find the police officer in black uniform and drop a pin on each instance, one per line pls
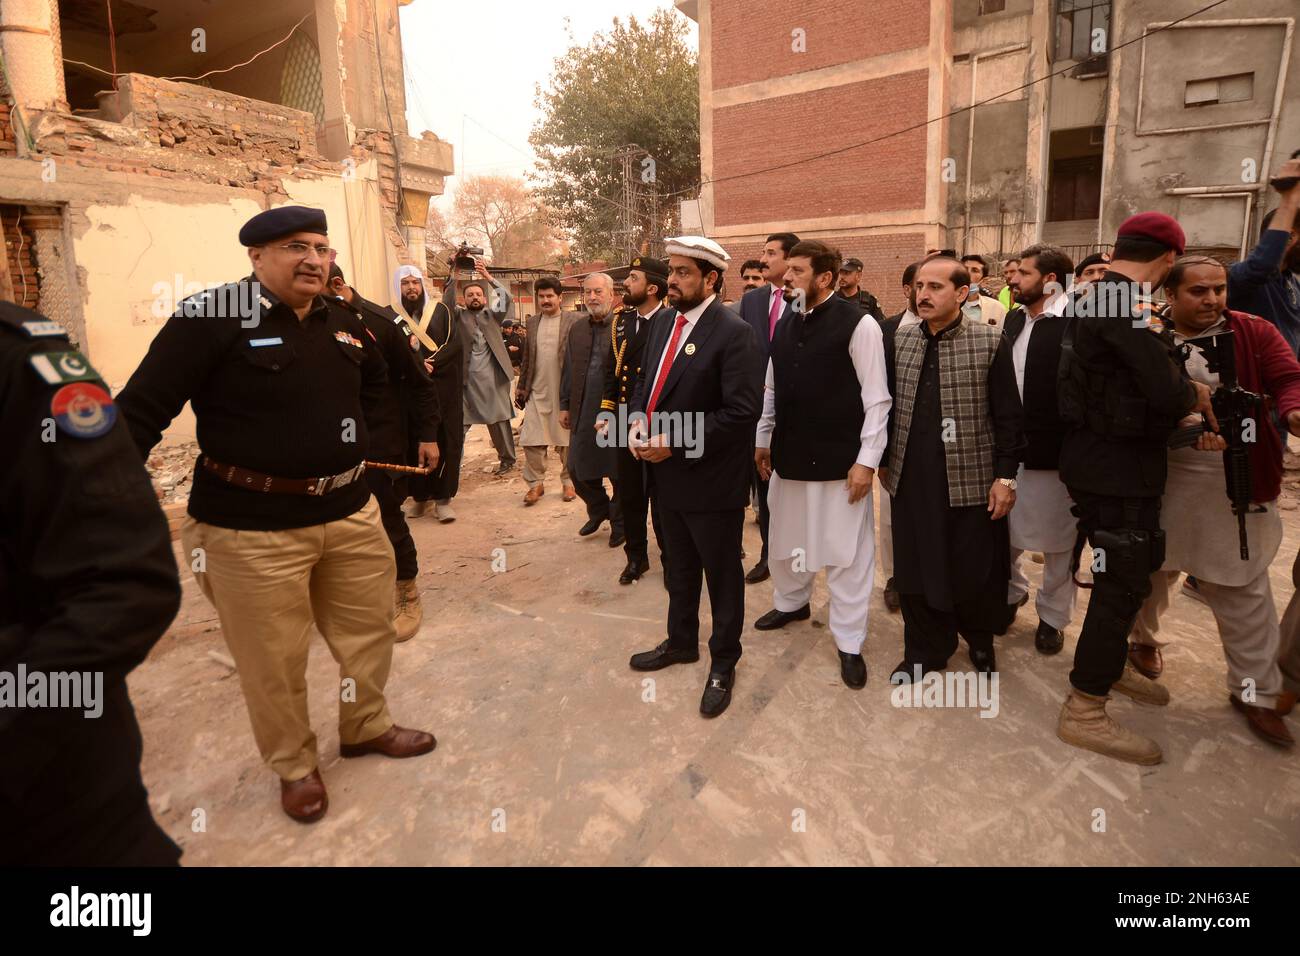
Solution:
(850, 288)
(287, 386)
(411, 416)
(645, 286)
(87, 586)
(1121, 392)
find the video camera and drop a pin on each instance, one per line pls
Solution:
(1285, 183)
(464, 256)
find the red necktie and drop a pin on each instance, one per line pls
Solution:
(668, 363)
(774, 314)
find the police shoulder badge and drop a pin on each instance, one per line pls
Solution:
(83, 410)
(58, 367)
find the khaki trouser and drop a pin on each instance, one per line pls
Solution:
(535, 464)
(268, 587)
(1248, 630)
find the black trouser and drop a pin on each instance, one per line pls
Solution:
(599, 504)
(764, 515)
(389, 491)
(1127, 546)
(634, 501)
(930, 635)
(705, 544)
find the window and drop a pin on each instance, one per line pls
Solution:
(1238, 88)
(992, 6)
(1082, 29)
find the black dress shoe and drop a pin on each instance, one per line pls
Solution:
(633, 571)
(717, 693)
(1012, 611)
(853, 670)
(891, 597)
(1048, 640)
(591, 527)
(616, 538)
(661, 657)
(984, 660)
(774, 618)
(905, 672)
(758, 572)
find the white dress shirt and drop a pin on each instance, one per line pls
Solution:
(692, 317)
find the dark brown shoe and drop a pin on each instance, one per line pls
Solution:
(1146, 660)
(534, 494)
(1264, 723)
(305, 800)
(393, 742)
(1285, 703)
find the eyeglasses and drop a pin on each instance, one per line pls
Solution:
(301, 250)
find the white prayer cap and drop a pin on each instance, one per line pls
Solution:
(698, 247)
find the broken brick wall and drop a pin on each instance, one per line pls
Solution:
(20, 256)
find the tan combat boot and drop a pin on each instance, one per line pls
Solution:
(1085, 723)
(1133, 683)
(410, 612)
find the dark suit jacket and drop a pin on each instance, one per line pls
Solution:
(716, 383)
(577, 356)
(754, 306)
(1044, 429)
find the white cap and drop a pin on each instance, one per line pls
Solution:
(698, 247)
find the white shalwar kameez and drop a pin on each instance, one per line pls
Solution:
(813, 526)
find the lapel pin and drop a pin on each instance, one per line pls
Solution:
(690, 348)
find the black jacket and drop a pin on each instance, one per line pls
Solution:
(411, 402)
(754, 306)
(87, 584)
(865, 303)
(715, 392)
(1044, 429)
(288, 398)
(1121, 392)
(621, 380)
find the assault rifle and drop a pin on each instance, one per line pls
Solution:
(1234, 406)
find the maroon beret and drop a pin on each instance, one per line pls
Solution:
(1156, 227)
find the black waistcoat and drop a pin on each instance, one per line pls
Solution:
(818, 396)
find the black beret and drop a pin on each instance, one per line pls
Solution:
(653, 268)
(282, 221)
(851, 265)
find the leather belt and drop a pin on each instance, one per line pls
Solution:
(256, 481)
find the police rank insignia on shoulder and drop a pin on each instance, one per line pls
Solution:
(38, 330)
(58, 367)
(83, 410)
(347, 338)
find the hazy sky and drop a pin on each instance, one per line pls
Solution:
(472, 67)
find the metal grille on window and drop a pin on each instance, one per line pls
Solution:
(300, 86)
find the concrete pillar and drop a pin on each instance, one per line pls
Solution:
(30, 45)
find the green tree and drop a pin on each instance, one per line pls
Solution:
(635, 85)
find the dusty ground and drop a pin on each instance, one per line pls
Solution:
(549, 751)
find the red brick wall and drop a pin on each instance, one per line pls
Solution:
(887, 175)
(20, 262)
(7, 145)
(752, 41)
(884, 257)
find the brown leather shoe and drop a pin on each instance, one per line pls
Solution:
(534, 494)
(1264, 723)
(1146, 660)
(305, 800)
(569, 493)
(1285, 703)
(393, 742)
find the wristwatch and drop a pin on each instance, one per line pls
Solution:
(1009, 482)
